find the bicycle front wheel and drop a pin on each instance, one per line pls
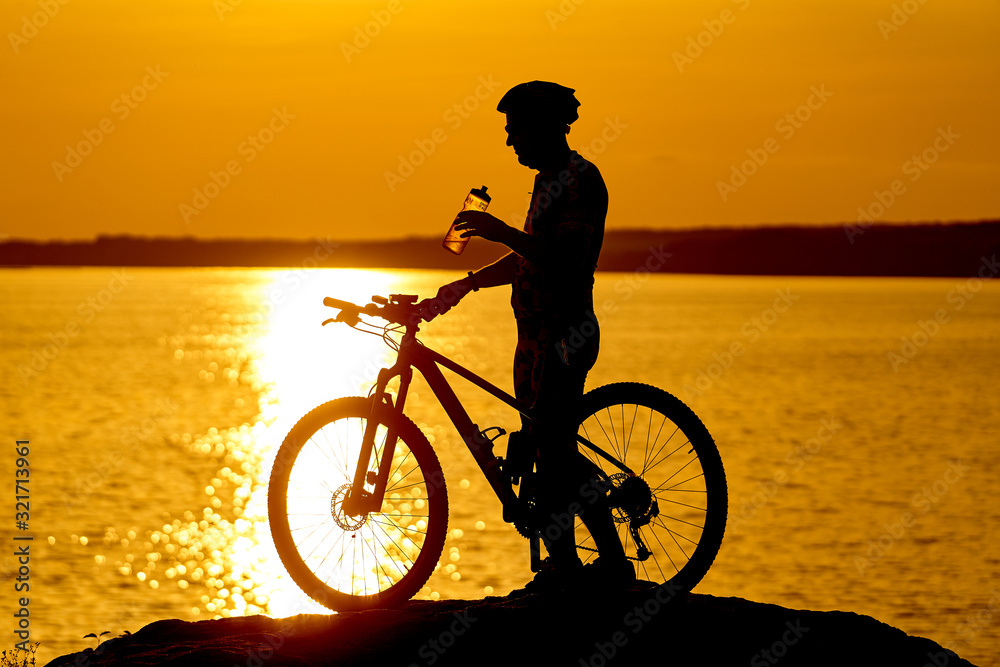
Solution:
(677, 503)
(345, 562)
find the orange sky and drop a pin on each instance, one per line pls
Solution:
(183, 86)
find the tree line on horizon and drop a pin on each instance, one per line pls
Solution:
(851, 249)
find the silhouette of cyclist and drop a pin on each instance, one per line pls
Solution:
(551, 270)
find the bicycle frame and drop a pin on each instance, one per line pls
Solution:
(412, 354)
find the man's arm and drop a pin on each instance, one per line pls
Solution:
(500, 272)
(524, 244)
(491, 228)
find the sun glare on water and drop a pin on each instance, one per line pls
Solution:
(304, 366)
(220, 557)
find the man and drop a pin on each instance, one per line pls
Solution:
(551, 270)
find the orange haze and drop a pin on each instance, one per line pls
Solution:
(268, 118)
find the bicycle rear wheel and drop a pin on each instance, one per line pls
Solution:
(378, 559)
(678, 509)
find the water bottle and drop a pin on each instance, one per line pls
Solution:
(477, 200)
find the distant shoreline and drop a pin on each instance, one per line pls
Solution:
(850, 249)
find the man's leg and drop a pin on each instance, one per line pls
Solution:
(561, 478)
(564, 376)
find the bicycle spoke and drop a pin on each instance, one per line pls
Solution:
(317, 527)
(400, 480)
(631, 428)
(614, 446)
(666, 553)
(667, 500)
(354, 563)
(645, 452)
(319, 543)
(305, 527)
(674, 487)
(681, 468)
(407, 529)
(345, 451)
(673, 518)
(396, 544)
(658, 437)
(335, 461)
(651, 465)
(379, 561)
(330, 552)
(681, 535)
(673, 536)
(611, 442)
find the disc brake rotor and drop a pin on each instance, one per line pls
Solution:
(347, 523)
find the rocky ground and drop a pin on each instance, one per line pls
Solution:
(644, 624)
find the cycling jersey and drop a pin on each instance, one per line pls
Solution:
(567, 215)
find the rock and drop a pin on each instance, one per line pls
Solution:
(644, 624)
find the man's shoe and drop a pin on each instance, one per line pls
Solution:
(551, 579)
(608, 573)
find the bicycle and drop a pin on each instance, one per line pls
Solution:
(357, 502)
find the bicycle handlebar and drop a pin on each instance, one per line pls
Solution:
(337, 303)
(398, 308)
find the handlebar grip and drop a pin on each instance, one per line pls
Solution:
(337, 303)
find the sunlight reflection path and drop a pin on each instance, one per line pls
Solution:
(221, 555)
(306, 365)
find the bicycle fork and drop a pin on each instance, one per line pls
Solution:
(359, 500)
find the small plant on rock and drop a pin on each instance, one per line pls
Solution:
(19, 657)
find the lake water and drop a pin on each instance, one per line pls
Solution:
(857, 420)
